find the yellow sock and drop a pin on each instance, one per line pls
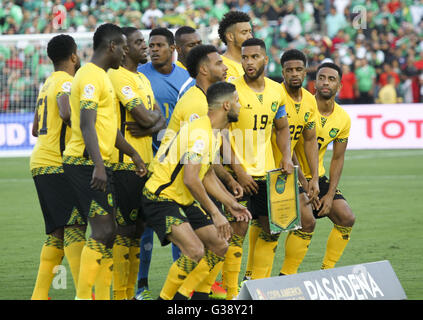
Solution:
(205, 286)
(232, 266)
(337, 241)
(134, 260)
(199, 273)
(252, 239)
(176, 275)
(264, 254)
(51, 256)
(103, 281)
(91, 256)
(121, 266)
(296, 247)
(73, 245)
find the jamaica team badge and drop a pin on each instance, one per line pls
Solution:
(283, 201)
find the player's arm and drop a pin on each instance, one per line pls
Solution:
(88, 118)
(137, 130)
(35, 124)
(64, 108)
(311, 150)
(198, 191)
(217, 190)
(335, 171)
(228, 180)
(283, 141)
(145, 118)
(127, 149)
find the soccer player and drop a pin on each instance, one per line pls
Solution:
(263, 104)
(186, 38)
(64, 226)
(169, 82)
(86, 159)
(176, 201)
(135, 103)
(333, 125)
(301, 108)
(234, 29)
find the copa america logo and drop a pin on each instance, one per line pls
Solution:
(59, 16)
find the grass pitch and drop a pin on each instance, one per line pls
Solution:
(383, 188)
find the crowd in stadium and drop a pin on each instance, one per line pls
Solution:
(379, 43)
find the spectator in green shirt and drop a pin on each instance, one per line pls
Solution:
(366, 76)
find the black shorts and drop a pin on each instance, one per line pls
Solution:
(58, 201)
(91, 202)
(160, 215)
(257, 203)
(324, 188)
(128, 187)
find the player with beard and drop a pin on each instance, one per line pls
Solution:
(262, 105)
(87, 156)
(64, 227)
(175, 197)
(333, 125)
(234, 29)
(186, 38)
(135, 104)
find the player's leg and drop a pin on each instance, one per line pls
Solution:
(146, 250)
(215, 251)
(74, 242)
(298, 241)
(253, 234)
(343, 220)
(134, 256)
(50, 257)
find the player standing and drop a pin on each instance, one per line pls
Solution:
(65, 228)
(186, 38)
(333, 125)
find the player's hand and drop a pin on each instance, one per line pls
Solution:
(134, 129)
(139, 164)
(287, 166)
(248, 184)
(99, 178)
(224, 229)
(313, 191)
(236, 189)
(325, 205)
(240, 212)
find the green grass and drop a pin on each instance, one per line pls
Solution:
(383, 188)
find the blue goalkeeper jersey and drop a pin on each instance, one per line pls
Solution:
(167, 89)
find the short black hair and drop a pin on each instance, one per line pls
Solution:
(183, 30)
(163, 32)
(105, 33)
(127, 31)
(229, 19)
(197, 55)
(254, 42)
(293, 54)
(60, 48)
(217, 90)
(331, 65)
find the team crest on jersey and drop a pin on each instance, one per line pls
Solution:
(333, 132)
(193, 117)
(89, 91)
(66, 86)
(231, 78)
(280, 183)
(306, 116)
(127, 92)
(274, 106)
(198, 146)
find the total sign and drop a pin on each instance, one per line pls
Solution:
(388, 126)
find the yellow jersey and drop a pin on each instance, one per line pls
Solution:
(335, 127)
(92, 89)
(301, 115)
(196, 141)
(235, 69)
(251, 135)
(53, 133)
(179, 64)
(131, 90)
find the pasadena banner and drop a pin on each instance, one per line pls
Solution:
(368, 281)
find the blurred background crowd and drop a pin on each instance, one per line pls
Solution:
(378, 43)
